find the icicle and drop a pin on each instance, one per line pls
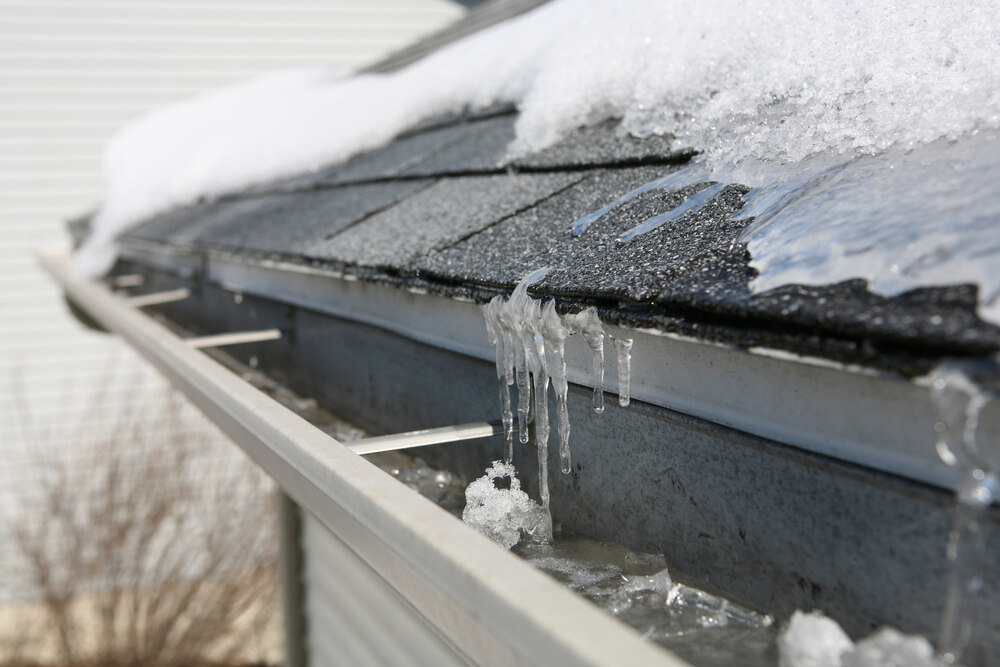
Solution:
(623, 346)
(499, 338)
(588, 324)
(541, 376)
(960, 402)
(554, 333)
(505, 324)
(557, 366)
(523, 391)
(515, 314)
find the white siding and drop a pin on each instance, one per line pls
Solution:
(355, 617)
(71, 72)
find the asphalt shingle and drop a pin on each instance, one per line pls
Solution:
(437, 217)
(604, 145)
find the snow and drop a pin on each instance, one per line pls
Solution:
(504, 515)
(751, 80)
(890, 648)
(813, 640)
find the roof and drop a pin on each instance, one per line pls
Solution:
(440, 209)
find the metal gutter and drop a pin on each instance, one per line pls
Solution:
(870, 418)
(492, 606)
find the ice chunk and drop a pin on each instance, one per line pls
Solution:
(578, 575)
(890, 648)
(812, 640)
(660, 582)
(638, 559)
(504, 515)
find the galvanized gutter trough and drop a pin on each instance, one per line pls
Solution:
(487, 604)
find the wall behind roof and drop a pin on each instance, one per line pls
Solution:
(71, 72)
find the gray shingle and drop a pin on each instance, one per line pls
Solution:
(437, 217)
(604, 144)
(292, 224)
(595, 264)
(482, 147)
(284, 224)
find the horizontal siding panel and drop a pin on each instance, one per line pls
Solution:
(83, 199)
(232, 26)
(430, 14)
(124, 77)
(336, 41)
(104, 58)
(356, 617)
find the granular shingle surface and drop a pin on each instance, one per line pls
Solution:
(437, 217)
(603, 144)
(481, 147)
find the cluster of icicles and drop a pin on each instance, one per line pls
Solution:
(530, 338)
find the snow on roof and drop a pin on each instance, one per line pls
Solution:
(755, 85)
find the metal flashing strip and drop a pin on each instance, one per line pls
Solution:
(495, 608)
(866, 417)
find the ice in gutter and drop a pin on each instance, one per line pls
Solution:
(960, 401)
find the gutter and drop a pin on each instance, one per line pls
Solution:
(489, 604)
(872, 418)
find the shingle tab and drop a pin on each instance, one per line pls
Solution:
(281, 224)
(482, 147)
(292, 224)
(604, 145)
(437, 217)
(384, 163)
